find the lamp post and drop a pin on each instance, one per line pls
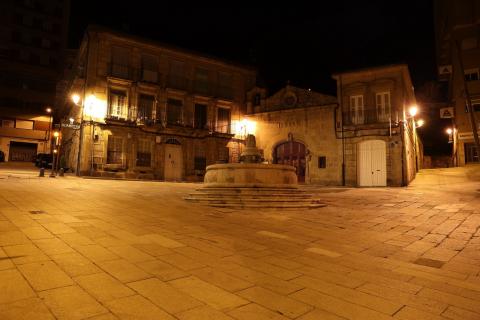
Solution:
(47, 136)
(56, 135)
(413, 110)
(76, 99)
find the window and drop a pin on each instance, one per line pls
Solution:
(114, 150)
(471, 75)
(8, 123)
(174, 111)
(256, 99)
(200, 163)
(176, 76)
(223, 120)
(476, 104)
(201, 81)
(149, 68)
(225, 85)
(24, 124)
(145, 107)
(200, 121)
(144, 153)
(356, 109)
(117, 104)
(119, 67)
(322, 162)
(383, 106)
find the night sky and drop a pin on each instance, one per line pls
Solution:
(297, 41)
(303, 42)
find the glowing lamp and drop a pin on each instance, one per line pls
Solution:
(48, 110)
(449, 131)
(95, 108)
(413, 111)
(75, 98)
(420, 123)
(56, 134)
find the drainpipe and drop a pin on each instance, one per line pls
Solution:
(83, 106)
(343, 132)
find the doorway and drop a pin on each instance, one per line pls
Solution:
(292, 153)
(372, 164)
(22, 151)
(173, 162)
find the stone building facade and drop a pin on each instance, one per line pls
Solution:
(457, 26)
(362, 137)
(148, 110)
(380, 145)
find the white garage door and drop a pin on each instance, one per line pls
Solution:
(372, 164)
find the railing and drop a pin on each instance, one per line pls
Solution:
(177, 82)
(150, 76)
(365, 116)
(120, 71)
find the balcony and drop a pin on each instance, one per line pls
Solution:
(120, 71)
(177, 82)
(149, 76)
(368, 116)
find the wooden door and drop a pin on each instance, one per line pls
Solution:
(173, 162)
(292, 153)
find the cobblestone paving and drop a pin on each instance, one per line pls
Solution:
(96, 249)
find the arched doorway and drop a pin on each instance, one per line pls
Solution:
(292, 153)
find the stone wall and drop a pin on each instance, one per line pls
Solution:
(312, 126)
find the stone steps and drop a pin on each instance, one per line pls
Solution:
(255, 198)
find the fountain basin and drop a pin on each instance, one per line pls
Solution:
(250, 175)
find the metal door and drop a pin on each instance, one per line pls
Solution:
(372, 164)
(22, 151)
(173, 162)
(292, 153)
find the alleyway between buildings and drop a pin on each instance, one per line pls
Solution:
(73, 248)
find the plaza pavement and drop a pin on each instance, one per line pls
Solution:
(73, 248)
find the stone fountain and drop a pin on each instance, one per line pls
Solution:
(250, 172)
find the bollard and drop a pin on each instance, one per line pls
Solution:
(60, 172)
(42, 172)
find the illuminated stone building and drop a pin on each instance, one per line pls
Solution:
(363, 137)
(149, 110)
(156, 112)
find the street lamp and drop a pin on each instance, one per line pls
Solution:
(413, 110)
(420, 122)
(56, 136)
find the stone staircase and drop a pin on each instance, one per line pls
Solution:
(252, 198)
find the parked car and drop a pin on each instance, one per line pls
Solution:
(44, 160)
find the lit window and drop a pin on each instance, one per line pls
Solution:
(117, 104)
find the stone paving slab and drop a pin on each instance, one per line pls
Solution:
(102, 249)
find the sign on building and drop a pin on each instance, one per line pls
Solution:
(446, 113)
(445, 70)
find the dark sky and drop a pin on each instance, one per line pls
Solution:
(303, 42)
